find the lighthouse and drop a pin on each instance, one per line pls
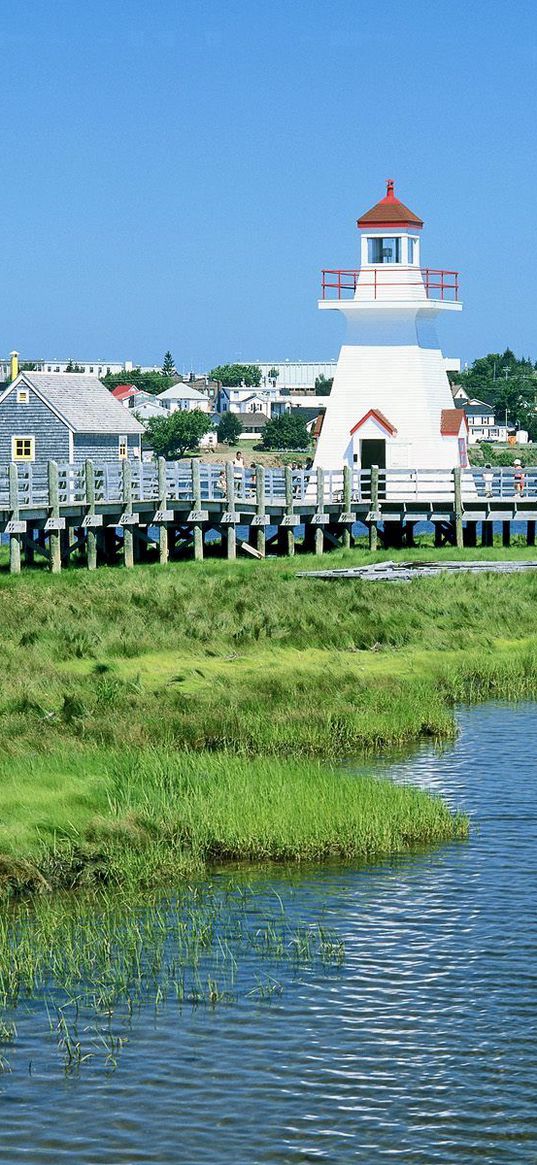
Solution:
(391, 403)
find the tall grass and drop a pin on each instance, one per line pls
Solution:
(245, 660)
(132, 818)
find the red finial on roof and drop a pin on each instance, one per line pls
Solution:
(390, 190)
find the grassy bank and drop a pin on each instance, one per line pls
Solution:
(108, 679)
(137, 818)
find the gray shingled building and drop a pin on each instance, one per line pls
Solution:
(65, 417)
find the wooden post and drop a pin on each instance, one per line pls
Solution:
(128, 537)
(231, 533)
(54, 511)
(373, 525)
(289, 530)
(196, 505)
(14, 539)
(506, 533)
(163, 552)
(457, 506)
(319, 530)
(347, 497)
(91, 533)
(531, 533)
(487, 533)
(260, 506)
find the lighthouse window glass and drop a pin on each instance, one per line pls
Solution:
(384, 250)
(411, 250)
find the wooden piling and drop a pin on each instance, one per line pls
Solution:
(347, 498)
(373, 524)
(91, 532)
(261, 536)
(289, 530)
(15, 538)
(163, 551)
(231, 533)
(530, 533)
(196, 505)
(128, 537)
(319, 529)
(457, 507)
(54, 512)
(506, 533)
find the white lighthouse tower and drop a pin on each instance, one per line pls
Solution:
(391, 404)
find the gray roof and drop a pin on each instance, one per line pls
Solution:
(82, 401)
(182, 391)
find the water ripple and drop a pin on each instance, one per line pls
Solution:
(420, 1049)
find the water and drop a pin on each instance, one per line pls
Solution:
(420, 1048)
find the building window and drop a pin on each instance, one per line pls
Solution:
(49, 369)
(384, 250)
(91, 368)
(122, 448)
(23, 396)
(23, 448)
(411, 251)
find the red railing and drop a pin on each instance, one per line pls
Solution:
(341, 284)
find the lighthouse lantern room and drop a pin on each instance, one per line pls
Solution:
(391, 404)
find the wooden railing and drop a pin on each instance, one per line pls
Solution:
(187, 482)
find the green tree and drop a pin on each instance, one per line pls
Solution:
(231, 375)
(286, 432)
(323, 385)
(152, 382)
(173, 436)
(508, 383)
(273, 375)
(229, 428)
(70, 367)
(168, 364)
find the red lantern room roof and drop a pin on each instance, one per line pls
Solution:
(389, 212)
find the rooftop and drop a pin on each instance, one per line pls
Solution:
(390, 212)
(81, 401)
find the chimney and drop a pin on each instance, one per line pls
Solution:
(14, 365)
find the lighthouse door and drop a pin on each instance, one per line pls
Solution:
(372, 452)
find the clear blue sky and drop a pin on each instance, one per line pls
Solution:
(177, 172)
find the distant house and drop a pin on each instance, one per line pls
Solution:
(64, 417)
(125, 394)
(183, 396)
(482, 424)
(242, 399)
(252, 426)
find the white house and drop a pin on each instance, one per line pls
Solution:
(182, 396)
(391, 403)
(482, 424)
(242, 399)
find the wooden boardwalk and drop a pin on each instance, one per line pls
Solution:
(136, 509)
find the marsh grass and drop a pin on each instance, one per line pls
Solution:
(108, 677)
(89, 964)
(134, 818)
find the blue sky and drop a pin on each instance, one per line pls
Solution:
(176, 173)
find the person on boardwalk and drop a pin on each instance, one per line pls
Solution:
(520, 478)
(238, 473)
